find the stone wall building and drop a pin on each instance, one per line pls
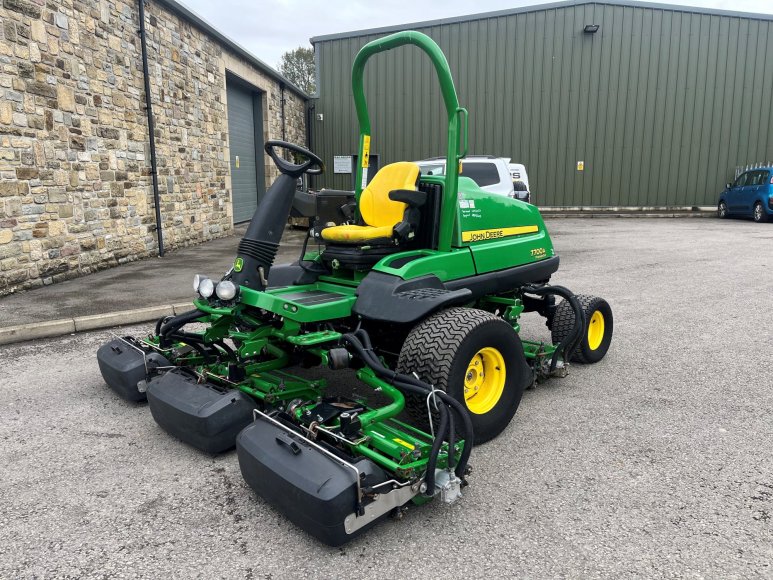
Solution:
(76, 190)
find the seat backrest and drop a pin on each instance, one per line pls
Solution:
(375, 206)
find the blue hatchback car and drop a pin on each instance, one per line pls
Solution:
(750, 195)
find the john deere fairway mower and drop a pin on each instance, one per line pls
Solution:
(417, 285)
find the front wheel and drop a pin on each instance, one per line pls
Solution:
(722, 210)
(759, 213)
(599, 325)
(474, 356)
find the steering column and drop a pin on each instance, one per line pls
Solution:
(260, 243)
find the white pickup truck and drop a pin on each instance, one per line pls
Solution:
(494, 174)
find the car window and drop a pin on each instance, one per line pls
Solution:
(481, 173)
(741, 180)
(759, 178)
(765, 178)
(432, 169)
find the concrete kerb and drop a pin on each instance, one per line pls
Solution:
(51, 328)
(22, 332)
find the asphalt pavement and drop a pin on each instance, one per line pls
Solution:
(656, 462)
(142, 283)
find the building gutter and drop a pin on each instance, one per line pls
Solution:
(151, 131)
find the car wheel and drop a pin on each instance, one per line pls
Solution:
(722, 210)
(759, 214)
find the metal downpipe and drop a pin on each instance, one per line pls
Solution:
(151, 131)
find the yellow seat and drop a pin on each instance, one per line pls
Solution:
(379, 213)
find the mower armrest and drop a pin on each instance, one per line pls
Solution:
(410, 196)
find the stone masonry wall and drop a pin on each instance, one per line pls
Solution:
(75, 184)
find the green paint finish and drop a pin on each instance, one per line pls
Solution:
(513, 308)
(388, 411)
(445, 265)
(298, 303)
(279, 386)
(532, 349)
(312, 338)
(501, 232)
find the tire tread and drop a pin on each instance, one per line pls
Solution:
(563, 322)
(430, 347)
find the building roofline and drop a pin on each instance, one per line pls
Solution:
(197, 20)
(537, 8)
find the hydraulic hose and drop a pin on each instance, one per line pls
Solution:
(189, 337)
(429, 478)
(451, 441)
(416, 383)
(196, 345)
(411, 384)
(179, 321)
(571, 340)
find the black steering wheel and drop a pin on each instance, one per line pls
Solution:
(313, 164)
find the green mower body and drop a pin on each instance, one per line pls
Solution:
(427, 320)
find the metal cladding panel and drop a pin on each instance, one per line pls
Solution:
(661, 104)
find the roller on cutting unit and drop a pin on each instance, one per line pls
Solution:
(415, 283)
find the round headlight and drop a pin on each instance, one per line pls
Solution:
(196, 281)
(226, 290)
(206, 288)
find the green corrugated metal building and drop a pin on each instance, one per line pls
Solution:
(661, 103)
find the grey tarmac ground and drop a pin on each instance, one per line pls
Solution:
(657, 462)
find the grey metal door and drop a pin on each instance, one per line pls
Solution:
(245, 130)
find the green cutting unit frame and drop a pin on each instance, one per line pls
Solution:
(430, 326)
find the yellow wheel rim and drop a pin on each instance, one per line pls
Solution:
(595, 330)
(484, 380)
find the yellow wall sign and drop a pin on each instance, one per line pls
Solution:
(493, 234)
(581, 166)
(365, 150)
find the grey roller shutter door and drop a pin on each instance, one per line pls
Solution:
(241, 141)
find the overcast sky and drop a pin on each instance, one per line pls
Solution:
(268, 28)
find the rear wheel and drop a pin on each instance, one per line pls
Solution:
(759, 213)
(722, 210)
(474, 356)
(599, 325)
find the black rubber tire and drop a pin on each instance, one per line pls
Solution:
(563, 322)
(722, 210)
(439, 351)
(758, 213)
